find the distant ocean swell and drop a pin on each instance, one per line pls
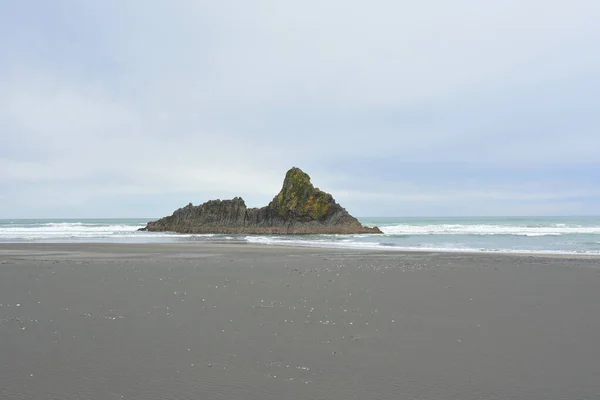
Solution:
(577, 235)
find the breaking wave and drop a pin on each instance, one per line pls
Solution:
(481, 229)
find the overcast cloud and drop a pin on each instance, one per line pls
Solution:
(134, 108)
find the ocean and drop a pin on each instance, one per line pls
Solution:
(563, 235)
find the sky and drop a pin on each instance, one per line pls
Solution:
(131, 108)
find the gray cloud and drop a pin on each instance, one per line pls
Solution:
(123, 108)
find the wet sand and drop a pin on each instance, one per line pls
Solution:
(198, 321)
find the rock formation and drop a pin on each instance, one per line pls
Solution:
(299, 208)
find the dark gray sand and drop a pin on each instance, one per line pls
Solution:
(189, 321)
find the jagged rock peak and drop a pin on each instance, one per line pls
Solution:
(298, 198)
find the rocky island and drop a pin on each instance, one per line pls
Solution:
(299, 208)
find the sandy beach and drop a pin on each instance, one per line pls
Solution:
(217, 321)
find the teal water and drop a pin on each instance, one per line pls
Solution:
(580, 235)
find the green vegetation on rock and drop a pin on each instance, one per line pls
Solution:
(300, 198)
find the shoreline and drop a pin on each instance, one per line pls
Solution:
(570, 236)
(6, 248)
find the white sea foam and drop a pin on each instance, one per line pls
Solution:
(64, 230)
(480, 229)
(278, 241)
(281, 241)
(83, 231)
